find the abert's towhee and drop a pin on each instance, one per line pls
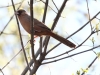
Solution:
(40, 28)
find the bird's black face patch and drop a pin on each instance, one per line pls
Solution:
(19, 12)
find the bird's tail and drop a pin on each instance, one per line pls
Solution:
(63, 40)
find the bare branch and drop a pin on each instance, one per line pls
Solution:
(55, 5)
(89, 14)
(46, 5)
(13, 57)
(20, 36)
(90, 65)
(32, 32)
(71, 55)
(10, 5)
(76, 31)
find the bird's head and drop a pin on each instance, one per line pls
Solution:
(20, 12)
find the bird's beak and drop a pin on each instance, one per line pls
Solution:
(16, 13)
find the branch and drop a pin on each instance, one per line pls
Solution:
(74, 48)
(10, 5)
(1, 72)
(10, 19)
(31, 62)
(46, 42)
(90, 65)
(71, 55)
(39, 50)
(32, 32)
(55, 5)
(76, 31)
(56, 20)
(89, 14)
(50, 7)
(37, 65)
(13, 57)
(20, 36)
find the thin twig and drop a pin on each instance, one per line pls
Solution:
(9, 5)
(90, 65)
(69, 50)
(71, 55)
(1, 71)
(55, 5)
(6, 25)
(13, 57)
(82, 42)
(10, 19)
(89, 14)
(20, 36)
(48, 6)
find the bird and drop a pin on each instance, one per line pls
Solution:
(40, 28)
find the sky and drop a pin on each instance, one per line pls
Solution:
(74, 16)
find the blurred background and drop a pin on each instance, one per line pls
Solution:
(74, 16)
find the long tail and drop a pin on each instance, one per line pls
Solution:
(63, 40)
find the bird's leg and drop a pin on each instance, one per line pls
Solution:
(35, 36)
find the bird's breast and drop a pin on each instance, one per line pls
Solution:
(25, 22)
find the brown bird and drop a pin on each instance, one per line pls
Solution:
(40, 28)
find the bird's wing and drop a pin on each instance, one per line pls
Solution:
(39, 24)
